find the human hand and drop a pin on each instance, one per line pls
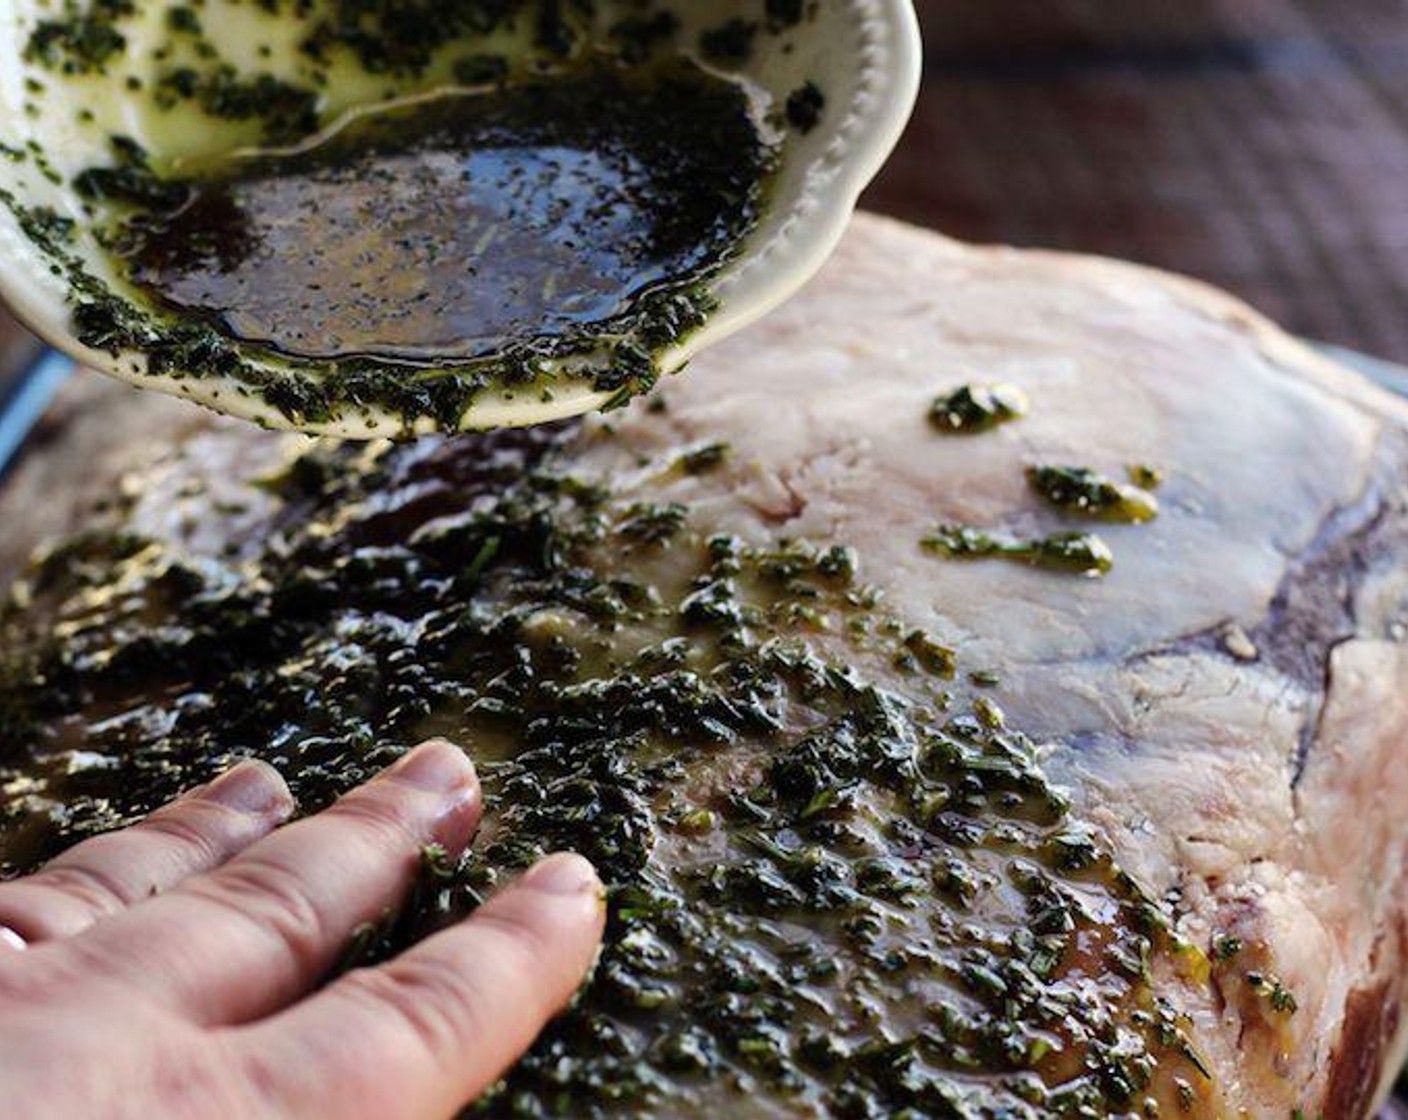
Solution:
(169, 967)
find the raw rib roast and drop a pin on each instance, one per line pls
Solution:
(905, 809)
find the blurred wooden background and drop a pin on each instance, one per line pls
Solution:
(1259, 144)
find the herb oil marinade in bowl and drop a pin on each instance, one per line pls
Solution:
(369, 220)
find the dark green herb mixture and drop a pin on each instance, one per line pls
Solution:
(558, 219)
(83, 39)
(1089, 493)
(1075, 491)
(1081, 553)
(839, 884)
(971, 409)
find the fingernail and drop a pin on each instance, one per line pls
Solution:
(436, 767)
(9, 939)
(254, 788)
(563, 873)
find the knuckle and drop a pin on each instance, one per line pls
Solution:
(258, 1069)
(99, 893)
(390, 820)
(207, 1080)
(36, 915)
(184, 828)
(263, 1074)
(439, 1004)
(42, 982)
(276, 900)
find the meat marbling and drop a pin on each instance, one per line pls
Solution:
(1226, 711)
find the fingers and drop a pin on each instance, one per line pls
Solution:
(107, 874)
(256, 934)
(433, 1029)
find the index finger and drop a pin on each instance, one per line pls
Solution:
(247, 939)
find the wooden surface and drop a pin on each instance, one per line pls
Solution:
(1258, 144)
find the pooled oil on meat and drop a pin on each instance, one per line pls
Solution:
(463, 224)
(839, 884)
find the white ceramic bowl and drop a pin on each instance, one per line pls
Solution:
(864, 54)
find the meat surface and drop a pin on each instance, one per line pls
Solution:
(885, 827)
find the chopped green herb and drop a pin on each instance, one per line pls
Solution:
(1224, 948)
(1087, 493)
(804, 107)
(1276, 994)
(1145, 476)
(929, 655)
(483, 558)
(183, 20)
(640, 36)
(989, 713)
(731, 42)
(783, 14)
(977, 408)
(704, 459)
(80, 44)
(652, 522)
(1079, 553)
(130, 181)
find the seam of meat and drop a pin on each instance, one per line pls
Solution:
(1313, 611)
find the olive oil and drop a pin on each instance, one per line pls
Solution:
(462, 225)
